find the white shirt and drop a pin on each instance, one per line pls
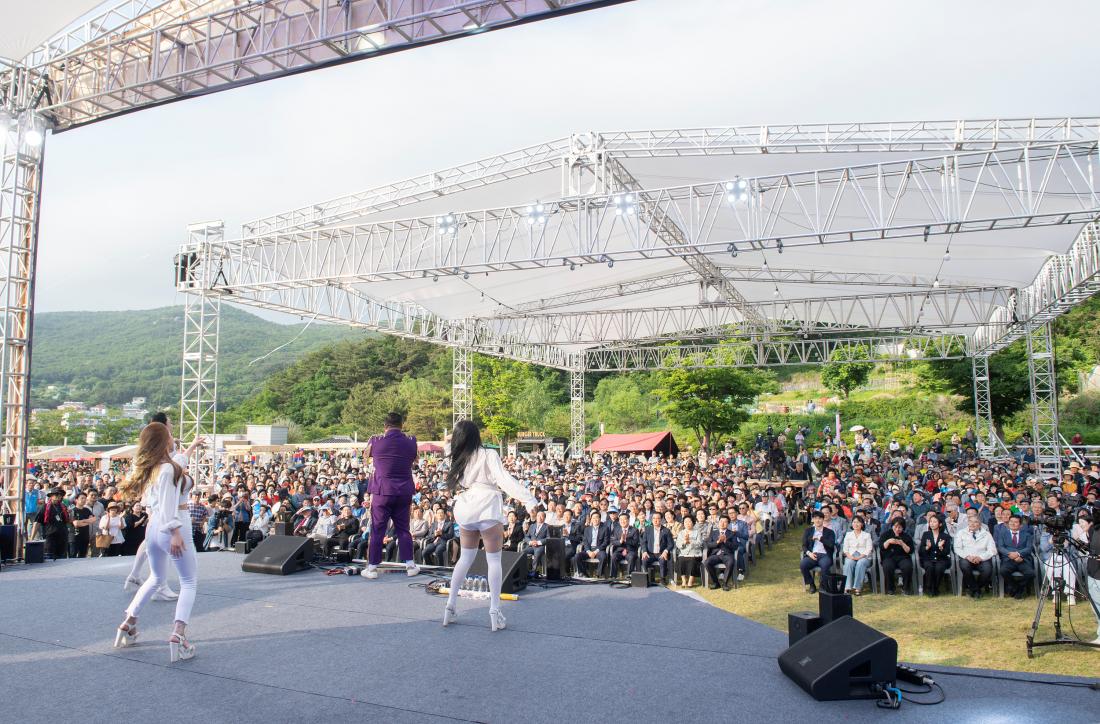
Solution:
(164, 497)
(819, 549)
(975, 543)
(857, 543)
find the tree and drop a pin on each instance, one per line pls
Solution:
(711, 401)
(498, 383)
(845, 372)
(367, 407)
(623, 406)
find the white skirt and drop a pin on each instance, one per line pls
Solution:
(479, 507)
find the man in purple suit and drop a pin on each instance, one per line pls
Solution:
(391, 491)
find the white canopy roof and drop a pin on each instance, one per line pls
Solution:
(26, 24)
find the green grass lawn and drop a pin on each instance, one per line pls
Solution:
(946, 630)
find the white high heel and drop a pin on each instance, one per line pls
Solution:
(126, 635)
(496, 620)
(180, 649)
(449, 615)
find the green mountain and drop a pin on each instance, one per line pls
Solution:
(112, 357)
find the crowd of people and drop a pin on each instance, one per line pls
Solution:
(926, 521)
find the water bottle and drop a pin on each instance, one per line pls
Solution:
(482, 584)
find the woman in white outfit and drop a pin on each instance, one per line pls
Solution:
(161, 481)
(481, 479)
(141, 557)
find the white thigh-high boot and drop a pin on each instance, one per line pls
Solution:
(462, 567)
(496, 618)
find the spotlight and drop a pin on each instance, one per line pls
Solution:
(33, 137)
(572, 267)
(947, 255)
(936, 284)
(465, 275)
(737, 190)
(779, 245)
(764, 265)
(610, 261)
(776, 293)
(435, 279)
(732, 249)
(536, 214)
(624, 204)
(446, 225)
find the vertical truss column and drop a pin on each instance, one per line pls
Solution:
(983, 407)
(1044, 398)
(462, 385)
(22, 135)
(576, 408)
(201, 332)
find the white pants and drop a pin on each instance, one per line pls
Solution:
(157, 546)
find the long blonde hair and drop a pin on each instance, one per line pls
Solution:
(154, 449)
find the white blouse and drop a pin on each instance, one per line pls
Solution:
(164, 498)
(857, 543)
(112, 525)
(486, 468)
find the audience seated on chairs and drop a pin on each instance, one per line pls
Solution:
(624, 546)
(440, 533)
(934, 551)
(724, 544)
(975, 549)
(896, 551)
(535, 541)
(344, 529)
(593, 547)
(818, 548)
(1016, 547)
(657, 546)
(858, 550)
(571, 534)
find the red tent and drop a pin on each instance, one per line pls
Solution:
(429, 447)
(661, 442)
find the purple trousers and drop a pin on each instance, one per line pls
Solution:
(383, 509)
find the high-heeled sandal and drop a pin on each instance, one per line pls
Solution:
(180, 649)
(126, 635)
(449, 615)
(496, 620)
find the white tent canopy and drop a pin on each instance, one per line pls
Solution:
(26, 24)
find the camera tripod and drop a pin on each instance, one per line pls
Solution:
(1055, 585)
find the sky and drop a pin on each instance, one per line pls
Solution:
(118, 195)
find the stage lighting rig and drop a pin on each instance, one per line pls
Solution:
(624, 204)
(737, 190)
(536, 215)
(446, 225)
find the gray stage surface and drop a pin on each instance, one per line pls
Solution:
(311, 647)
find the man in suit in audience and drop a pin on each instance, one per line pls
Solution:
(593, 547)
(723, 545)
(975, 549)
(624, 545)
(818, 549)
(657, 545)
(1015, 547)
(535, 540)
(439, 537)
(571, 534)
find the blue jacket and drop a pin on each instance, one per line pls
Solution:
(1025, 545)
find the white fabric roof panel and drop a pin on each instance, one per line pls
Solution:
(26, 24)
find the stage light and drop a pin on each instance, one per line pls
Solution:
(536, 214)
(779, 245)
(764, 265)
(737, 190)
(947, 255)
(609, 260)
(572, 267)
(446, 225)
(732, 249)
(435, 279)
(936, 284)
(776, 293)
(624, 204)
(465, 275)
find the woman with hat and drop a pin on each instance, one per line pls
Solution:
(112, 524)
(53, 520)
(159, 479)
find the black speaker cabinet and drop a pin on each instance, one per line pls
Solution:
(7, 542)
(34, 551)
(801, 624)
(639, 579)
(833, 605)
(555, 559)
(241, 546)
(284, 528)
(513, 567)
(841, 660)
(280, 555)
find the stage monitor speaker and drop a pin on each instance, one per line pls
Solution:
(7, 542)
(241, 546)
(800, 625)
(833, 605)
(284, 528)
(279, 555)
(639, 579)
(513, 567)
(34, 551)
(555, 559)
(842, 660)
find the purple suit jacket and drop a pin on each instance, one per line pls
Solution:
(394, 453)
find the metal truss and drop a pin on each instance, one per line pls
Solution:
(1064, 281)
(794, 210)
(576, 408)
(591, 150)
(983, 407)
(930, 309)
(763, 352)
(201, 332)
(168, 56)
(758, 274)
(20, 198)
(462, 385)
(1044, 398)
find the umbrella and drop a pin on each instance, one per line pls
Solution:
(856, 428)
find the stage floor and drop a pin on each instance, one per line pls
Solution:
(335, 648)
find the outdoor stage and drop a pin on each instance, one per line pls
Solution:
(311, 647)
